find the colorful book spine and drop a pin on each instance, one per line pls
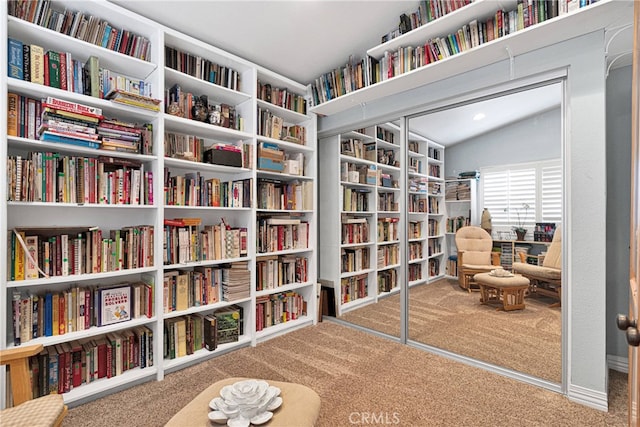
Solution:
(15, 59)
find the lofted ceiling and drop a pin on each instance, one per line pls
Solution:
(303, 39)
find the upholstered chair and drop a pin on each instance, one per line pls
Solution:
(546, 279)
(475, 254)
(45, 411)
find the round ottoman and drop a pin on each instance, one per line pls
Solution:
(300, 406)
(508, 290)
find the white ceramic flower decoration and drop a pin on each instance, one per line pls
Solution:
(244, 403)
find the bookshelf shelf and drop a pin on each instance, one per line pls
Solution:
(32, 33)
(602, 14)
(160, 76)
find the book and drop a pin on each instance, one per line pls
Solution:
(15, 53)
(228, 324)
(114, 305)
(37, 64)
(210, 333)
(53, 59)
(13, 102)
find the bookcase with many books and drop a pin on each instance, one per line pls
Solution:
(360, 212)
(461, 201)
(130, 222)
(432, 202)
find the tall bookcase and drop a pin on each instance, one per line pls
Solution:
(189, 163)
(436, 211)
(461, 201)
(360, 214)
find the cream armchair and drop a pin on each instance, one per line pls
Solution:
(546, 279)
(475, 254)
(44, 411)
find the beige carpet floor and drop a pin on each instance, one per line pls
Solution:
(356, 375)
(443, 315)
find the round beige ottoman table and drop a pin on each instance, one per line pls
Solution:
(507, 290)
(300, 406)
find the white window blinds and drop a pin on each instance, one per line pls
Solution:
(507, 189)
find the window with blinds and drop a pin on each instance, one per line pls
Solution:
(521, 195)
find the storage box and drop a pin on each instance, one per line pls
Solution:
(265, 163)
(292, 167)
(223, 157)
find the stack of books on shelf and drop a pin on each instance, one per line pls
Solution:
(236, 280)
(275, 271)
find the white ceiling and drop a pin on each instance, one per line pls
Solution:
(303, 39)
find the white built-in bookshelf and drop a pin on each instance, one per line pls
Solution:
(461, 201)
(217, 231)
(362, 214)
(578, 21)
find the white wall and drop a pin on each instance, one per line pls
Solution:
(533, 139)
(583, 61)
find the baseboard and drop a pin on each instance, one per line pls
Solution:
(587, 397)
(617, 363)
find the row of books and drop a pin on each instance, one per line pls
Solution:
(273, 126)
(275, 271)
(92, 29)
(281, 234)
(62, 367)
(434, 246)
(194, 288)
(387, 202)
(357, 148)
(354, 287)
(202, 68)
(55, 178)
(279, 308)
(46, 252)
(427, 11)
(415, 229)
(417, 203)
(367, 71)
(354, 259)
(388, 255)
(355, 199)
(35, 64)
(415, 272)
(184, 242)
(59, 121)
(433, 227)
(282, 97)
(283, 195)
(454, 224)
(415, 251)
(185, 335)
(387, 280)
(355, 230)
(388, 229)
(46, 313)
(193, 189)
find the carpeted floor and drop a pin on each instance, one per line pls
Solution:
(359, 375)
(443, 315)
